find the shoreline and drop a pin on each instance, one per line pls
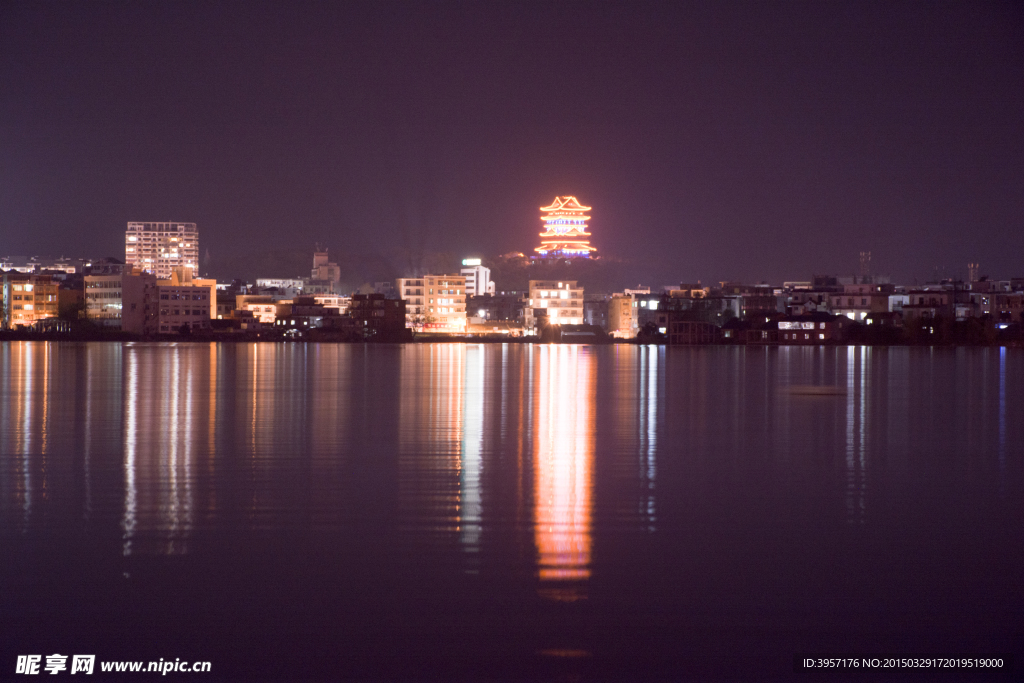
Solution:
(123, 337)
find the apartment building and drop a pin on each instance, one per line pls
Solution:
(554, 303)
(28, 298)
(434, 303)
(160, 247)
(183, 306)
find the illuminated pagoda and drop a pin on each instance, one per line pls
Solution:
(565, 230)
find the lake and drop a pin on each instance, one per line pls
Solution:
(509, 512)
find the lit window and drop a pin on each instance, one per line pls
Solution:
(821, 336)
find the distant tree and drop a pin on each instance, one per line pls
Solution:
(72, 311)
(649, 334)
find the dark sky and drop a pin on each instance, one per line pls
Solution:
(715, 140)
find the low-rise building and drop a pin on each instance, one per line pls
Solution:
(692, 332)
(813, 329)
(858, 301)
(929, 302)
(333, 301)
(376, 317)
(28, 298)
(497, 308)
(183, 308)
(121, 296)
(622, 316)
(552, 302)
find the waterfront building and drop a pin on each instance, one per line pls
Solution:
(754, 300)
(434, 303)
(858, 301)
(929, 302)
(622, 316)
(565, 230)
(120, 296)
(333, 301)
(28, 298)
(813, 329)
(183, 277)
(185, 303)
(376, 317)
(103, 293)
(160, 247)
(304, 313)
(631, 309)
(553, 303)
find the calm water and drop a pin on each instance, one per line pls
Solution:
(482, 512)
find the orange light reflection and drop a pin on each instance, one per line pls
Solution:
(563, 464)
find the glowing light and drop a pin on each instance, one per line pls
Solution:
(565, 229)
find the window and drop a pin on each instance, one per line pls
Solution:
(821, 336)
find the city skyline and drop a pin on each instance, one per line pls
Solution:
(719, 142)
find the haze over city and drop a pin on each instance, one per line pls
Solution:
(751, 141)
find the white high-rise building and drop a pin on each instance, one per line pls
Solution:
(160, 247)
(478, 277)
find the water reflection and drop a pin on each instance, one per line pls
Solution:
(161, 432)
(650, 378)
(484, 454)
(1002, 421)
(857, 365)
(563, 462)
(430, 459)
(472, 447)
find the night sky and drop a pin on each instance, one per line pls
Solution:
(715, 140)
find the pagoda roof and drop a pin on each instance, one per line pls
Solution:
(567, 202)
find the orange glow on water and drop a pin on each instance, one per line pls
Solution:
(563, 463)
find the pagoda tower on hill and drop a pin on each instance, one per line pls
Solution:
(565, 230)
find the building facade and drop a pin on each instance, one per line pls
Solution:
(375, 317)
(28, 299)
(183, 307)
(103, 294)
(160, 247)
(478, 277)
(553, 303)
(858, 301)
(434, 303)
